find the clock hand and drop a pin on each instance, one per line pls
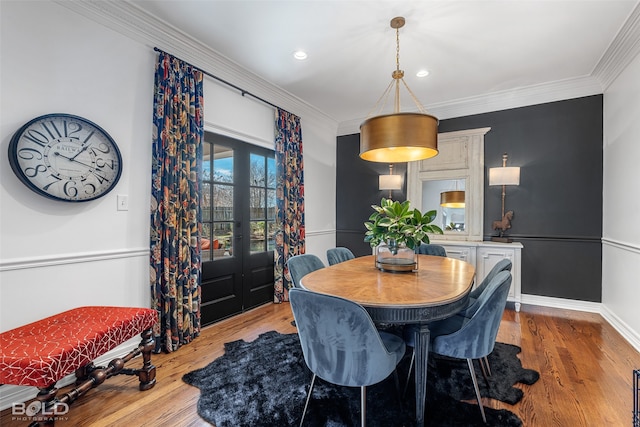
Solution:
(72, 159)
(93, 171)
(83, 146)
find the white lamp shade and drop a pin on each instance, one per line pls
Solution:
(390, 182)
(504, 176)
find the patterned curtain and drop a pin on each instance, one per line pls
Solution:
(290, 199)
(175, 209)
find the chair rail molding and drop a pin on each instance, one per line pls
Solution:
(77, 258)
(627, 246)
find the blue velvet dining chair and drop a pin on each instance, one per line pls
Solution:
(473, 338)
(452, 323)
(338, 255)
(431, 249)
(301, 265)
(341, 345)
(502, 265)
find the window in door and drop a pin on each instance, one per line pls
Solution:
(262, 202)
(218, 187)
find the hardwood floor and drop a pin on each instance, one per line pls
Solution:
(585, 373)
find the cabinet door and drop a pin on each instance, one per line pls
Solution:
(487, 258)
(464, 253)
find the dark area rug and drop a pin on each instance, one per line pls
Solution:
(264, 383)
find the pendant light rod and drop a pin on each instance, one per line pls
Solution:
(397, 23)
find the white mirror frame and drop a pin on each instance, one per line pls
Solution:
(461, 156)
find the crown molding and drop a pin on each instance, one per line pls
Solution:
(503, 100)
(622, 50)
(129, 20)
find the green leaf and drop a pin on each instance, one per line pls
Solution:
(392, 220)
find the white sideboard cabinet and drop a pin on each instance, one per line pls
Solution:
(484, 255)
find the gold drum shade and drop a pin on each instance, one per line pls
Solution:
(399, 137)
(452, 199)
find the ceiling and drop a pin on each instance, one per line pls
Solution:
(472, 49)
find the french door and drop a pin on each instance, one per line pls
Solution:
(238, 204)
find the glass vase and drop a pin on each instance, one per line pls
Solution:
(396, 257)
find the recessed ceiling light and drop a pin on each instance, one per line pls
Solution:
(300, 54)
(422, 73)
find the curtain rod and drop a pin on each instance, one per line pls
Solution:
(239, 89)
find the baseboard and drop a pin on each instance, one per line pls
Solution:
(628, 333)
(10, 394)
(623, 329)
(567, 304)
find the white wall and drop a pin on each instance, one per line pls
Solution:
(621, 199)
(55, 255)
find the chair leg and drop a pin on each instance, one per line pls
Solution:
(486, 363)
(406, 385)
(484, 370)
(396, 380)
(475, 386)
(313, 380)
(363, 406)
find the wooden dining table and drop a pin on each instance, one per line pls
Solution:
(438, 289)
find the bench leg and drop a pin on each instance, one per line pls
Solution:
(47, 398)
(90, 376)
(147, 374)
(83, 372)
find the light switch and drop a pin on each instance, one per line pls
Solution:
(123, 202)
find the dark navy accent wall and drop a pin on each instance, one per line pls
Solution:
(558, 204)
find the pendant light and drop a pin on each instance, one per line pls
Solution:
(452, 199)
(399, 137)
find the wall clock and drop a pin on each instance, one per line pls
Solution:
(65, 157)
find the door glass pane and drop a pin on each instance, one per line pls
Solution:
(222, 244)
(271, 172)
(205, 202)
(256, 200)
(271, 232)
(257, 171)
(205, 242)
(271, 204)
(222, 202)
(222, 164)
(257, 236)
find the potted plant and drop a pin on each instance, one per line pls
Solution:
(396, 230)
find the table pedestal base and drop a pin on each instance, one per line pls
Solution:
(421, 349)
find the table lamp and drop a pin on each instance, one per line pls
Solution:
(503, 176)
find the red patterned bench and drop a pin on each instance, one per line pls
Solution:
(42, 353)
